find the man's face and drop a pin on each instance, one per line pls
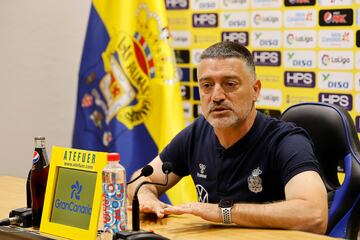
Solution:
(227, 91)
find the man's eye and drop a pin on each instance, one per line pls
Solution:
(206, 85)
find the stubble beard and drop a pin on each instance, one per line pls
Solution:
(231, 119)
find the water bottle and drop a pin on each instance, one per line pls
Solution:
(114, 195)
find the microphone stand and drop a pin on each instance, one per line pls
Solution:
(136, 233)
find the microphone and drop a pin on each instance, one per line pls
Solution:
(145, 172)
(136, 233)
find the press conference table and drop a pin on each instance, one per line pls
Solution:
(184, 227)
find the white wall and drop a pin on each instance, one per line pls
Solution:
(41, 43)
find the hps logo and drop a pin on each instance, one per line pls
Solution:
(76, 190)
(267, 58)
(239, 37)
(205, 20)
(177, 4)
(299, 79)
(343, 100)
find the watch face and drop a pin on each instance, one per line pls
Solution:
(225, 203)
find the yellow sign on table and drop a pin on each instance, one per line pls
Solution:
(73, 193)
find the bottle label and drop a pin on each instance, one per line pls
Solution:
(36, 157)
(114, 206)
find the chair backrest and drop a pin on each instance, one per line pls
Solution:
(336, 142)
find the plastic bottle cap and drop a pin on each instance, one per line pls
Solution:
(113, 157)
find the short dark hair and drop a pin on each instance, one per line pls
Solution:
(229, 49)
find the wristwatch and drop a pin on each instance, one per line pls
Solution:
(225, 210)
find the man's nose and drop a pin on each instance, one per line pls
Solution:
(218, 93)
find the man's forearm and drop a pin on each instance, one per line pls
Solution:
(292, 214)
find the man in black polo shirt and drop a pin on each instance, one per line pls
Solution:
(248, 169)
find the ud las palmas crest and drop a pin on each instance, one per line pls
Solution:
(130, 64)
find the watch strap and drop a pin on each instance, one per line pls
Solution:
(226, 215)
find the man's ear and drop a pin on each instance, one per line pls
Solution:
(257, 88)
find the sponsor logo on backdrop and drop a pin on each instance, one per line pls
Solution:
(194, 71)
(270, 112)
(182, 56)
(300, 39)
(176, 4)
(204, 37)
(196, 94)
(204, 4)
(266, 3)
(341, 60)
(299, 59)
(234, 20)
(238, 37)
(291, 3)
(299, 79)
(234, 4)
(338, 38)
(343, 100)
(204, 20)
(358, 38)
(291, 99)
(187, 109)
(185, 92)
(335, 2)
(335, 80)
(266, 19)
(195, 55)
(357, 81)
(336, 17)
(184, 74)
(357, 123)
(358, 60)
(266, 39)
(269, 78)
(270, 98)
(179, 22)
(196, 110)
(299, 18)
(267, 58)
(180, 38)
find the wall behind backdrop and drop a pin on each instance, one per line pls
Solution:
(41, 43)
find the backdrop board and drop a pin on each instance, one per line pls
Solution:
(304, 50)
(73, 193)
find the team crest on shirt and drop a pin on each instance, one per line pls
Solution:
(255, 181)
(201, 173)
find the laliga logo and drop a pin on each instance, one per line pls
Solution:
(290, 38)
(325, 59)
(76, 190)
(257, 19)
(36, 157)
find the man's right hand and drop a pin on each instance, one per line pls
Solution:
(148, 195)
(153, 206)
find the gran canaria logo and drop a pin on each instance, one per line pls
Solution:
(73, 205)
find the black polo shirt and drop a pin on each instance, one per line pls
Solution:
(254, 169)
